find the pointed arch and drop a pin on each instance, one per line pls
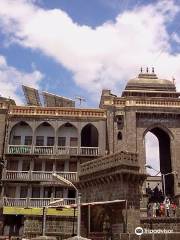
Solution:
(21, 134)
(67, 135)
(164, 137)
(89, 136)
(44, 134)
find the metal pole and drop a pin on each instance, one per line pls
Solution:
(89, 219)
(79, 214)
(44, 222)
(73, 220)
(126, 216)
(164, 184)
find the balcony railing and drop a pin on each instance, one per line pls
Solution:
(37, 176)
(43, 150)
(19, 149)
(53, 150)
(35, 202)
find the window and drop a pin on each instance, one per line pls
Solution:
(58, 192)
(35, 192)
(12, 165)
(50, 141)
(120, 122)
(10, 191)
(47, 192)
(59, 166)
(16, 140)
(119, 137)
(37, 166)
(73, 142)
(71, 193)
(72, 166)
(23, 192)
(28, 140)
(40, 141)
(48, 166)
(61, 141)
(26, 165)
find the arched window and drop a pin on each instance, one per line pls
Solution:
(44, 135)
(89, 136)
(21, 134)
(119, 136)
(67, 135)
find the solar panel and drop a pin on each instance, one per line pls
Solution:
(51, 100)
(32, 96)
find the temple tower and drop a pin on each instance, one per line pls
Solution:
(147, 104)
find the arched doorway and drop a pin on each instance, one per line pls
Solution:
(89, 136)
(160, 156)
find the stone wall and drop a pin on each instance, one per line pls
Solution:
(161, 223)
(2, 130)
(61, 227)
(170, 236)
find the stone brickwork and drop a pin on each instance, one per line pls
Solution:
(55, 226)
(161, 223)
(147, 104)
(172, 236)
(109, 178)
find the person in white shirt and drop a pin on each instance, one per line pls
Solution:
(167, 205)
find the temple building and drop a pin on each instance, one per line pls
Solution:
(101, 151)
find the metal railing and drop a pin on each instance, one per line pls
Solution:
(53, 150)
(35, 202)
(37, 175)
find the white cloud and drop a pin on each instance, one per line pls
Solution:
(176, 37)
(11, 79)
(100, 57)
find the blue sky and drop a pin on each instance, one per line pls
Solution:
(87, 45)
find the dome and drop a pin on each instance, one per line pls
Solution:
(150, 82)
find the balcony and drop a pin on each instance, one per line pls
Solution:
(39, 176)
(53, 150)
(35, 202)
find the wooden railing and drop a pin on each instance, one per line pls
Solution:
(53, 150)
(108, 162)
(35, 202)
(37, 176)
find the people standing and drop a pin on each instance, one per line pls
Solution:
(162, 210)
(149, 209)
(167, 206)
(154, 209)
(173, 207)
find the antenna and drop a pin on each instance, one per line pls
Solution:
(80, 99)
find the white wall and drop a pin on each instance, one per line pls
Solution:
(46, 131)
(21, 131)
(67, 132)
